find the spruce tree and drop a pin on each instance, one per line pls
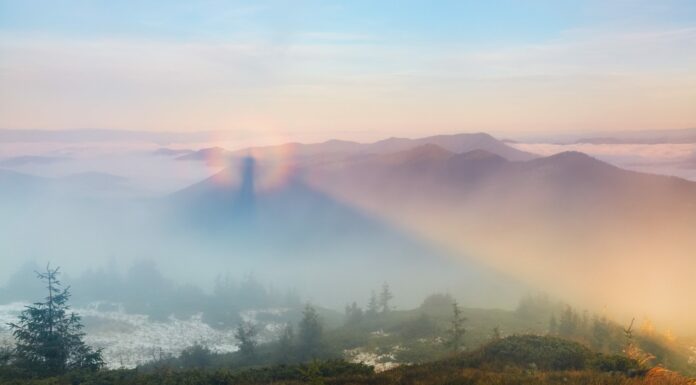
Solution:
(285, 350)
(246, 334)
(568, 323)
(385, 297)
(456, 331)
(496, 333)
(49, 337)
(310, 333)
(600, 333)
(373, 305)
(354, 314)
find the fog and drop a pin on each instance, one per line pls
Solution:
(183, 236)
(105, 210)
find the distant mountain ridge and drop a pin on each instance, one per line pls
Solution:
(433, 166)
(335, 150)
(544, 217)
(457, 143)
(165, 151)
(208, 155)
(295, 226)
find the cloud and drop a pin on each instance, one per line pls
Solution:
(584, 79)
(586, 52)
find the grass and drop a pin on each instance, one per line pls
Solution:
(518, 360)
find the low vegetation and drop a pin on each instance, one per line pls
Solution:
(436, 343)
(511, 360)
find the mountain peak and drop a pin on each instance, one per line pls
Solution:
(573, 162)
(573, 157)
(480, 155)
(424, 151)
(456, 143)
(211, 155)
(340, 142)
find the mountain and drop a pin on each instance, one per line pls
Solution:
(430, 167)
(333, 146)
(165, 151)
(213, 156)
(567, 221)
(426, 164)
(456, 143)
(337, 150)
(322, 241)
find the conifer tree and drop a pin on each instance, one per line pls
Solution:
(568, 323)
(373, 305)
(49, 338)
(246, 334)
(354, 314)
(600, 333)
(456, 331)
(496, 333)
(285, 345)
(385, 297)
(310, 333)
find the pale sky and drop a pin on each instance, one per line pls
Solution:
(349, 69)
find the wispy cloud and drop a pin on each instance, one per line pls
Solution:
(588, 78)
(586, 51)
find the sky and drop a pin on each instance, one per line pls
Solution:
(348, 69)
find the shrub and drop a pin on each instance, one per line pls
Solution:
(196, 356)
(615, 363)
(542, 352)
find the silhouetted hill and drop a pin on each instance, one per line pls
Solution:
(432, 167)
(541, 217)
(456, 143)
(207, 155)
(297, 226)
(338, 150)
(164, 151)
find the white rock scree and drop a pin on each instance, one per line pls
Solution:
(129, 340)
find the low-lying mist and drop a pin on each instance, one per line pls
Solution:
(287, 234)
(332, 222)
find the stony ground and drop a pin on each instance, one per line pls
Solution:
(132, 339)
